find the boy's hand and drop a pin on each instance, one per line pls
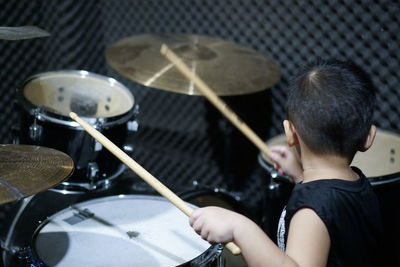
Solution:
(286, 162)
(214, 224)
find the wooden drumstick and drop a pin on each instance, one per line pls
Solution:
(145, 175)
(214, 99)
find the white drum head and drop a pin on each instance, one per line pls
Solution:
(382, 158)
(123, 231)
(87, 94)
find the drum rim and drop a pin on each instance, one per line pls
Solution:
(100, 200)
(208, 191)
(272, 172)
(71, 187)
(384, 179)
(45, 114)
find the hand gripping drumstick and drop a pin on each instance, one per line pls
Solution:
(145, 175)
(214, 99)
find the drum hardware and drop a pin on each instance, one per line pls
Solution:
(22, 32)
(86, 214)
(210, 258)
(92, 174)
(132, 234)
(95, 182)
(23, 255)
(7, 249)
(35, 130)
(143, 173)
(133, 125)
(81, 215)
(15, 130)
(273, 175)
(26, 257)
(229, 68)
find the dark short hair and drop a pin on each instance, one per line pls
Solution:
(331, 104)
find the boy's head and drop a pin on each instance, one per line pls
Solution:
(330, 104)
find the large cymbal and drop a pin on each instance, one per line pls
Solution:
(26, 170)
(22, 32)
(228, 68)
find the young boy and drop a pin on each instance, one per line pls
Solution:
(332, 217)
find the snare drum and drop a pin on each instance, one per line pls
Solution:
(126, 230)
(48, 98)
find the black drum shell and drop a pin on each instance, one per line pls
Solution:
(203, 197)
(94, 164)
(78, 144)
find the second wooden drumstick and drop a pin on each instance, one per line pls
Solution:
(215, 100)
(143, 173)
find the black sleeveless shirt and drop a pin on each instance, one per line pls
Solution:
(350, 212)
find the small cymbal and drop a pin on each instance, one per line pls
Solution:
(22, 32)
(26, 170)
(228, 68)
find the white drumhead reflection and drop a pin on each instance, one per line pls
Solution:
(118, 231)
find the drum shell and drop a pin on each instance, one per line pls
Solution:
(203, 197)
(41, 125)
(276, 193)
(78, 144)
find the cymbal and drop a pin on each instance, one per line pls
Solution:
(228, 68)
(22, 32)
(26, 170)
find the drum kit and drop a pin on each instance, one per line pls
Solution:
(124, 225)
(59, 154)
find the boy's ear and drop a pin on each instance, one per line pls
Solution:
(291, 134)
(370, 139)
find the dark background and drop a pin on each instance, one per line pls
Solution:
(183, 138)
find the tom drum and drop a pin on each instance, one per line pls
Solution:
(380, 163)
(47, 99)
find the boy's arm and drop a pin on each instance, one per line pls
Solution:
(308, 239)
(220, 226)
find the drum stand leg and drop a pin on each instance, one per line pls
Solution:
(271, 207)
(5, 245)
